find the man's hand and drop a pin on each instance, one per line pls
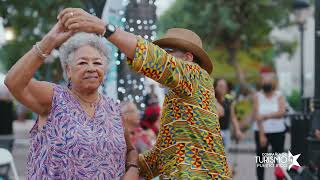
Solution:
(76, 19)
(131, 174)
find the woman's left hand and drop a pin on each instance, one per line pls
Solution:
(262, 117)
(220, 109)
(76, 19)
(131, 174)
(55, 37)
(239, 135)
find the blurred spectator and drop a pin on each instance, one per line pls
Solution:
(269, 127)
(140, 138)
(150, 119)
(6, 110)
(317, 134)
(21, 111)
(227, 103)
(228, 115)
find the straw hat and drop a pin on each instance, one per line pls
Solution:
(186, 40)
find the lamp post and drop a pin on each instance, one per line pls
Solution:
(301, 12)
(313, 143)
(300, 120)
(316, 104)
(317, 59)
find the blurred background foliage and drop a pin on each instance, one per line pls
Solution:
(294, 100)
(30, 21)
(236, 33)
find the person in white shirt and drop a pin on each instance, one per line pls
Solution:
(269, 127)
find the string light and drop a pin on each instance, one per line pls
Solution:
(130, 84)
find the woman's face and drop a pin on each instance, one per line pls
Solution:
(266, 80)
(222, 87)
(87, 69)
(131, 114)
(267, 84)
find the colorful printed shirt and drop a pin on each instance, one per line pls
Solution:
(189, 144)
(73, 146)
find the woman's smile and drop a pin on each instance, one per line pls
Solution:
(91, 78)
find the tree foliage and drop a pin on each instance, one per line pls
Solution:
(30, 21)
(232, 24)
(227, 21)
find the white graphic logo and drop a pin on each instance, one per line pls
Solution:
(285, 160)
(293, 160)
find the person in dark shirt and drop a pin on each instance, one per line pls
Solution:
(227, 103)
(6, 111)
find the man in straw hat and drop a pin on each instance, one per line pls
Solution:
(189, 144)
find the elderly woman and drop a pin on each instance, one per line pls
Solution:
(141, 139)
(79, 132)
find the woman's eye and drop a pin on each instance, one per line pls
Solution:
(82, 63)
(98, 63)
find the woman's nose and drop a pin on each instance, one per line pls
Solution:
(91, 67)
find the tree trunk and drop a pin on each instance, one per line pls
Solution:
(239, 72)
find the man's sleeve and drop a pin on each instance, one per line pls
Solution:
(148, 163)
(157, 64)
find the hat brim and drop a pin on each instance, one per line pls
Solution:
(202, 56)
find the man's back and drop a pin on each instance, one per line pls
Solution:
(189, 144)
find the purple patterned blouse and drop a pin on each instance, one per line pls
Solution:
(73, 146)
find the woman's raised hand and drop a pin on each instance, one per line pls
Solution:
(55, 37)
(76, 19)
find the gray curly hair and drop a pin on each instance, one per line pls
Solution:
(67, 49)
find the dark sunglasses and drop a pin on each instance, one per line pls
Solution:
(171, 50)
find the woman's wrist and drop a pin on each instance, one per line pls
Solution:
(132, 165)
(103, 28)
(266, 117)
(47, 44)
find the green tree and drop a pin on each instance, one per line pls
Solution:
(232, 24)
(30, 21)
